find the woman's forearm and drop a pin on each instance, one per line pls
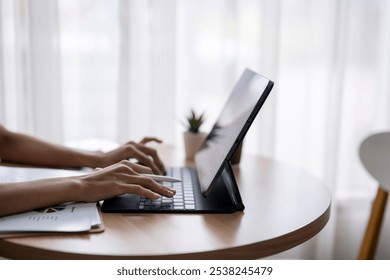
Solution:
(20, 148)
(20, 197)
(25, 149)
(115, 180)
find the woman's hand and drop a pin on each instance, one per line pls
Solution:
(21, 148)
(121, 178)
(139, 151)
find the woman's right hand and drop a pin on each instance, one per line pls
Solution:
(121, 178)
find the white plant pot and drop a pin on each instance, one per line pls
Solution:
(192, 143)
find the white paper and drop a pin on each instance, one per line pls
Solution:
(73, 217)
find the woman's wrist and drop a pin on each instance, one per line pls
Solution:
(93, 159)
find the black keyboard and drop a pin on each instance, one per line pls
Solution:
(184, 198)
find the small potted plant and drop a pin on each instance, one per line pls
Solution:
(193, 137)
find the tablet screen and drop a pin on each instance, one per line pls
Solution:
(231, 126)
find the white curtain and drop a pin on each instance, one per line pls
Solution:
(30, 67)
(146, 101)
(178, 55)
(121, 69)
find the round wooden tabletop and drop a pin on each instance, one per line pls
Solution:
(285, 206)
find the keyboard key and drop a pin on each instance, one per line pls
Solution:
(178, 203)
(167, 206)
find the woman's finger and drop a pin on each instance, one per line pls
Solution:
(148, 183)
(138, 190)
(153, 154)
(141, 169)
(150, 139)
(144, 159)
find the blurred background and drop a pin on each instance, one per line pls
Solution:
(118, 70)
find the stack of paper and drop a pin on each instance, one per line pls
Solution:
(69, 217)
(73, 217)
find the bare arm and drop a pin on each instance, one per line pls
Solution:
(21, 148)
(112, 181)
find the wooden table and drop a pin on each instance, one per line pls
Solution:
(285, 206)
